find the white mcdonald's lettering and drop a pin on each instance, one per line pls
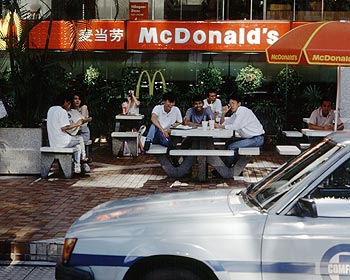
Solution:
(284, 57)
(183, 35)
(331, 58)
(150, 82)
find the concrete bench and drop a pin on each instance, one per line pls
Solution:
(249, 151)
(156, 149)
(292, 133)
(132, 138)
(64, 157)
(288, 150)
(204, 153)
(304, 146)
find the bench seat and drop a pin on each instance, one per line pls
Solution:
(249, 151)
(205, 153)
(292, 133)
(64, 157)
(156, 149)
(132, 138)
(288, 150)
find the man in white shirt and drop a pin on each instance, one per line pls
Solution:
(213, 103)
(244, 122)
(323, 118)
(57, 126)
(163, 118)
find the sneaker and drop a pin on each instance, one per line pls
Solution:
(147, 145)
(86, 160)
(77, 168)
(142, 130)
(86, 168)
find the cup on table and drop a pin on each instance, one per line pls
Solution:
(211, 124)
(205, 125)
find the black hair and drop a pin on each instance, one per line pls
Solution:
(212, 90)
(169, 96)
(235, 97)
(197, 98)
(60, 98)
(326, 98)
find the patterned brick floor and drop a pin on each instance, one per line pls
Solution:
(35, 209)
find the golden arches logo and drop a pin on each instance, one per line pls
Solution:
(151, 82)
(4, 28)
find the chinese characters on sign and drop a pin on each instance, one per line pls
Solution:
(100, 35)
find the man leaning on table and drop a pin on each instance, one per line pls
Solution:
(244, 122)
(196, 114)
(163, 118)
(323, 118)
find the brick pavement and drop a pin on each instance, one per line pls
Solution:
(36, 213)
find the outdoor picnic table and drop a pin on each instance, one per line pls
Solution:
(128, 120)
(197, 145)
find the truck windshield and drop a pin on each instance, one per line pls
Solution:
(269, 190)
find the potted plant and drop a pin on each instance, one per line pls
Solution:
(249, 79)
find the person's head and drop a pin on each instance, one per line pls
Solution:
(77, 100)
(211, 95)
(326, 106)
(63, 100)
(198, 103)
(234, 101)
(168, 101)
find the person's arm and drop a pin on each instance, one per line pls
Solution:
(319, 127)
(85, 111)
(223, 114)
(188, 122)
(73, 125)
(154, 119)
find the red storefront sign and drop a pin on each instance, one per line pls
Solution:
(60, 39)
(138, 10)
(208, 36)
(100, 35)
(92, 35)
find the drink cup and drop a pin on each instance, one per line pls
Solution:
(211, 124)
(205, 125)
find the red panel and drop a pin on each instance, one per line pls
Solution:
(61, 35)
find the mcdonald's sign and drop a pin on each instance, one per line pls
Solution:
(4, 29)
(151, 82)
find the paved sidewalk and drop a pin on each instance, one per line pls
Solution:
(36, 213)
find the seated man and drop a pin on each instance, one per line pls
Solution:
(163, 118)
(213, 103)
(323, 118)
(245, 123)
(57, 126)
(195, 115)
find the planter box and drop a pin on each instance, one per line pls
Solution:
(20, 150)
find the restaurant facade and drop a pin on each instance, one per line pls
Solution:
(177, 39)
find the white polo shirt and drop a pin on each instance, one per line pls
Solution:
(317, 118)
(167, 119)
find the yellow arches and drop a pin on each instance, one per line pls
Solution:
(151, 82)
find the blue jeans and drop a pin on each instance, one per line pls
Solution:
(256, 141)
(156, 136)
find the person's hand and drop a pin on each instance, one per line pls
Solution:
(225, 109)
(328, 127)
(79, 122)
